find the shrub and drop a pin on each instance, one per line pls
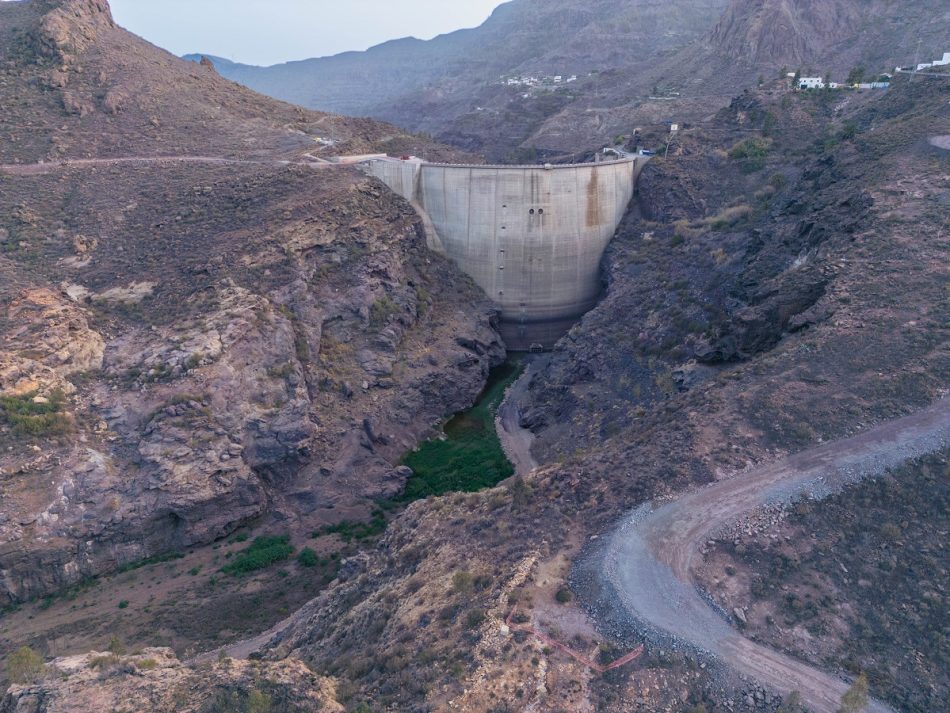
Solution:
(752, 153)
(24, 666)
(263, 552)
(105, 661)
(123, 604)
(563, 595)
(307, 558)
(463, 582)
(856, 697)
(147, 664)
(474, 618)
(349, 531)
(381, 310)
(258, 702)
(29, 418)
(728, 217)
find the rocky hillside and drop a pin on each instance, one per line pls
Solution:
(783, 284)
(638, 63)
(189, 346)
(191, 349)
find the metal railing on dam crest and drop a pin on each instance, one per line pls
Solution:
(532, 237)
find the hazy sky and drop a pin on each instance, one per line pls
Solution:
(272, 31)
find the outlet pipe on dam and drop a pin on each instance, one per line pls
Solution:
(532, 237)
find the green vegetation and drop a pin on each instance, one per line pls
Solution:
(258, 702)
(157, 559)
(563, 595)
(307, 558)
(474, 618)
(24, 666)
(856, 75)
(381, 310)
(350, 531)
(470, 458)
(752, 152)
(262, 553)
(684, 229)
(32, 415)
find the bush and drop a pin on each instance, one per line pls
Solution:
(263, 552)
(463, 582)
(474, 618)
(24, 666)
(752, 152)
(728, 217)
(350, 531)
(381, 310)
(258, 702)
(563, 595)
(307, 558)
(28, 418)
(856, 697)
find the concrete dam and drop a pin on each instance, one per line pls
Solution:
(532, 237)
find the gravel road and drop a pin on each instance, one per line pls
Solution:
(649, 557)
(38, 169)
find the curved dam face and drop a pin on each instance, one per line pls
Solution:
(532, 237)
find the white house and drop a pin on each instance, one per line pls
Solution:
(811, 83)
(924, 65)
(942, 62)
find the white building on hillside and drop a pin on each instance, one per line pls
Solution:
(942, 62)
(811, 83)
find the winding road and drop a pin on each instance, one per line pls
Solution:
(649, 557)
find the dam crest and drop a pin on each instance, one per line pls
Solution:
(532, 237)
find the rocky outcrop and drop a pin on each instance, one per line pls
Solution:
(155, 680)
(60, 342)
(69, 27)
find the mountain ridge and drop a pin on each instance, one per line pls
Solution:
(635, 62)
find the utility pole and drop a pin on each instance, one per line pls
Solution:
(673, 129)
(916, 61)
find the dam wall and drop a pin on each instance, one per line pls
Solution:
(532, 237)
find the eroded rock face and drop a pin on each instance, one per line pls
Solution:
(155, 680)
(210, 399)
(47, 340)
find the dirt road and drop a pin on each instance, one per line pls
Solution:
(38, 169)
(649, 557)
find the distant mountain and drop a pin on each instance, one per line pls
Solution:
(637, 62)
